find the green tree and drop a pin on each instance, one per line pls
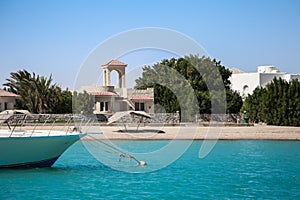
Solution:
(38, 93)
(21, 83)
(45, 93)
(276, 104)
(83, 103)
(199, 73)
(254, 105)
(65, 102)
(234, 101)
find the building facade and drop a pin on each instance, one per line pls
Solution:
(110, 99)
(7, 100)
(245, 83)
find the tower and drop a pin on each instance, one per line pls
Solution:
(119, 67)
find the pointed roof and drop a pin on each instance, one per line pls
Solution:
(115, 63)
(4, 93)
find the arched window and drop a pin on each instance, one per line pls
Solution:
(245, 91)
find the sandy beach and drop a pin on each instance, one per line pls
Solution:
(257, 132)
(183, 132)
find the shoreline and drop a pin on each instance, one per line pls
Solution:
(257, 132)
(184, 132)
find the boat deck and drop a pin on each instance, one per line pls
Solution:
(35, 133)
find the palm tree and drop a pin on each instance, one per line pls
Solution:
(17, 80)
(19, 83)
(37, 92)
(43, 91)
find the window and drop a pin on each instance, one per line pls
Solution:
(139, 106)
(245, 91)
(142, 106)
(104, 106)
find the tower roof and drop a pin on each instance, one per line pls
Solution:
(115, 63)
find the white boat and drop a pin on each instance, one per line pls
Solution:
(30, 144)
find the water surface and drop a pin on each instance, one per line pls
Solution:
(233, 170)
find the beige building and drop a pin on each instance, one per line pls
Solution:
(7, 100)
(110, 99)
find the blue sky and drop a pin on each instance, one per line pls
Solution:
(55, 37)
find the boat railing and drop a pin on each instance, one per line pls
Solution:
(32, 123)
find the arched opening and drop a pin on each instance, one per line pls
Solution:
(245, 91)
(114, 74)
(113, 78)
(116, 78)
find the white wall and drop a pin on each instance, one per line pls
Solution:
(11, 102)
(253, 80)
(266, 78)
(289, 77)
(240, 81)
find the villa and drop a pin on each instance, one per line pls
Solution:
(110, 99)
(245, 83)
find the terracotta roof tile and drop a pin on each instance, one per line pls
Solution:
(4, 93)
(115, 63)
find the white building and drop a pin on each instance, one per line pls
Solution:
(109, 99)
(245, 83)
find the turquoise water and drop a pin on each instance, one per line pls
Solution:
(233, 170)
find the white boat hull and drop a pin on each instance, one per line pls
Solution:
(34, 151)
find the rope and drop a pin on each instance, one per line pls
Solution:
(116, 150)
